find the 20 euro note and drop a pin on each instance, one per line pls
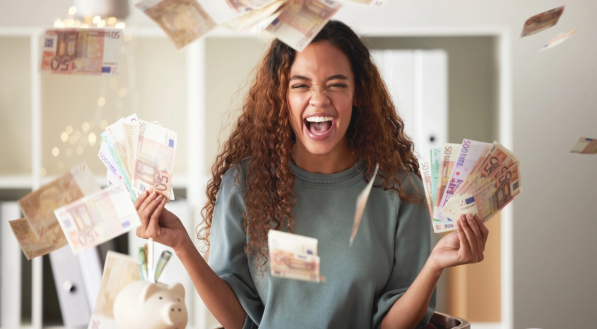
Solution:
(82, 51)
(154, 163)
(98, 218)
(489, 199)
(119, 271)
(293, 256)
(114, 175)
(301, 20)
(183, 21)
(449, 156)
(361, 202)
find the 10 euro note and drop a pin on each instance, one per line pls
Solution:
(119, 271)
(300, 21)
(98, 218)
(293, 256)
(81, 51)
(154, 163)
(489, 199)
(183, 21)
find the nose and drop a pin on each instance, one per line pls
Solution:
(319, 98)
(175, 313)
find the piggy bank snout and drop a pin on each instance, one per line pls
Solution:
(174, 313)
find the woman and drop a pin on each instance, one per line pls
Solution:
(313, 126)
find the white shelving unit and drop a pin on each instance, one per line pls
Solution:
(196, 115)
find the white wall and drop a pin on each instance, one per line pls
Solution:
(554, 104)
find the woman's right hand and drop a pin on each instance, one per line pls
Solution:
(159, 223)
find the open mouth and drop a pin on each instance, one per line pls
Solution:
(319, 127)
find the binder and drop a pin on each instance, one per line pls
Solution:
(10, 268)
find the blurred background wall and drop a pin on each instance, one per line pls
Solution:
(553, 105)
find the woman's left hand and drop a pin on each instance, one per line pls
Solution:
(465, 246)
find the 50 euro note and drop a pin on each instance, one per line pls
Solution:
(293, 256)
(493, 159)
(154, 163)
(585, 146)
(361, 203)
(257, 20)
(40, 233)
(81, 51)
(486, 201)
(97, 218)
(183, 21)
(542, 21)
(119, 271)
(301, 20)
(370, 2)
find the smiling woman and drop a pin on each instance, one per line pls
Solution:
(312, 128)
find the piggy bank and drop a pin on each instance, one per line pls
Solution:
(150, 306)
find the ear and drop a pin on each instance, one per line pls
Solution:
(178, 289)
(148, 290)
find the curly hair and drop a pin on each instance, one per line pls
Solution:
(263, 134)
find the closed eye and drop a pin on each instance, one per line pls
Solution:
(299, 86)
(337, 86)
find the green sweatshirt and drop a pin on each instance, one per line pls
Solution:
(362, 281)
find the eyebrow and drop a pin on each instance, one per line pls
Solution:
(333, 77)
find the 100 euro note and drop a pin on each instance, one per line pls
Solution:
(43, 234)
(154, 163)
(98, 218)
(82, 51)
(183, 21)
(119, 271)
(301, 20)
(470, 152)
(293, 256)
(489, 199)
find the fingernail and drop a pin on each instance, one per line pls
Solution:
(159, 231)
(160, 197)
(152, 195)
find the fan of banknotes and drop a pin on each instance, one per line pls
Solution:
(469, 178)
(139, 154)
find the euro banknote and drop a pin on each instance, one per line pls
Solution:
(542, 21)
(585, 146)
(489, 199)
(114, 175)
(370, 2)
(293, 256)
(426, 174)
(183, 21)
(97, 218)
(33, 247)
(448, 159)
(558, 39)
(470, 152)
(257, 20)
(119, 271)
(154, 162)
(434, 162)
(88, 51)
(361, 203)
(38, 206)
(300, 21)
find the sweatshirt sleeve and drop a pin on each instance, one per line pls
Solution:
(228, 237)
(412, 246)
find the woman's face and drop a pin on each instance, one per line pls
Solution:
(320, 97)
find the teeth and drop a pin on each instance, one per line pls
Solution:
(319, 119)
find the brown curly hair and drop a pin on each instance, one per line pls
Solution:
(263, 134)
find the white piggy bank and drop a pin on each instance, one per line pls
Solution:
(150, 306)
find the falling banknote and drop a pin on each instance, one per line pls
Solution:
(82, 51)
(300, 21)
(293, 256)
(558, 39)
(119, 271)
(585, 146)
(98, 218)
(43, 233)
(361, 202)
(183, 21)
(542, 21)
(257, 20)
